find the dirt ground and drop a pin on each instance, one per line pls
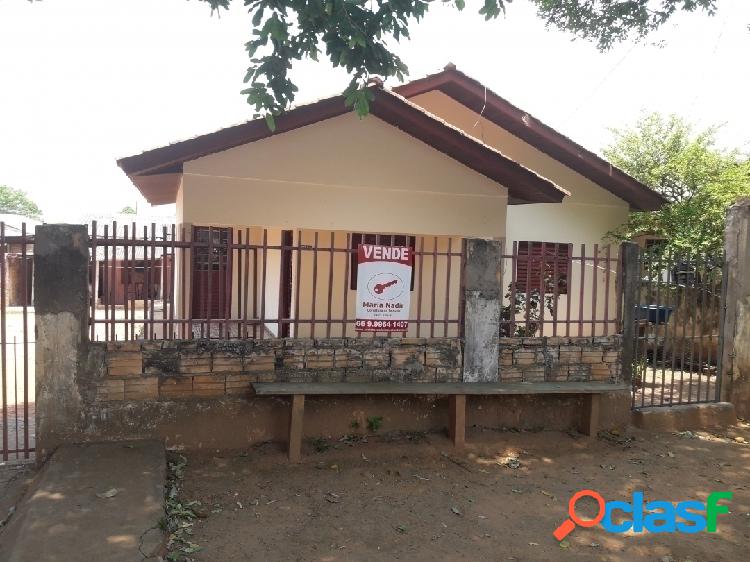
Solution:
(410, 497)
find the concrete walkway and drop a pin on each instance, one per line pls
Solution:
(91, 502)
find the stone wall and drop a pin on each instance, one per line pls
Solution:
(167, 370)
(561, 359)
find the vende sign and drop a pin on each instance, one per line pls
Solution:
(383, 288)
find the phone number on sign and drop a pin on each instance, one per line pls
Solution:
(381, 325)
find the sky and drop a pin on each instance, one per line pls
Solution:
(84, 82)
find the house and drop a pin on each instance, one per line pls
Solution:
(18, 258)
(278, 215)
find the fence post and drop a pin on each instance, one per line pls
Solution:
(61, 308)
(630, 280)
(482, 296)
(735, 331)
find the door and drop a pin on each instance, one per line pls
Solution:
(212, 272)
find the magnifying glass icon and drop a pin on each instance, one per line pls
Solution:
(568, 525)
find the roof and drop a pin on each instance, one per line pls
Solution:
(157, 172)
(477, 97)
(13, 224)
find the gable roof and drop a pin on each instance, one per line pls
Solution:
(477, 97)
(157, 172)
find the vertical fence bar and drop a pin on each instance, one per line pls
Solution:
(684, 332)
(3, 337)
(105, 281)
(693, 264)
(314, 284)
(347, 259)
(449, 258)
(25, 312)
(555, 287)
(262, 326)
(172, 278)
(722, 334)
(462, 285)
(569, 291)
(152, 282)
(658, 270)
(126, 282)
(529, 267)
(542, 286)
(94, 275)
(330, 285)
(594, 288)
(183, 311)
(419, 292)
(132, 275)
(113, 285)
(608, 271)
(513, 288)
(297, 282)
(582, 290)
(434, 285)
(146, 282)
(225, 273)
(702, 308)
(209, 282)
(675, 320)
(247, 283)
(648, 259)
(241, 289)
(164, 285)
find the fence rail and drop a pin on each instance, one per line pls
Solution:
(166, 283)
(555, 289)
(16, 356)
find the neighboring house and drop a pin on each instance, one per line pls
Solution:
(18, 258)
(138, 272)
(439, 159)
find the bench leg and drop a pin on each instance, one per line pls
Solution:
(591, 413)
(296, 417)
(457, 423)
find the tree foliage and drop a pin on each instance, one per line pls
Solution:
(699, 180)
(359, 35)
(17, 202)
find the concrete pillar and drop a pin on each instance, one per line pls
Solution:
(61, 290)
(482, 297)
(735, 358)
(631, 272)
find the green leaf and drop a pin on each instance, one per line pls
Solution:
(270, 122)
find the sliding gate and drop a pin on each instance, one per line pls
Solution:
(678, 319)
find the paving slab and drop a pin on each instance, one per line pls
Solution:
(90, 502)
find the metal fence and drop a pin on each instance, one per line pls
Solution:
(256, 283)
(16, 353)
(678, 340)
(555, 289)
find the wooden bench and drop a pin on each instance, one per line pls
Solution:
(456, 392)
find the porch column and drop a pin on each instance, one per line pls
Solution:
(734, 367)
(482, 297)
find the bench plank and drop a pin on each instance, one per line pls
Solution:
(474, 389)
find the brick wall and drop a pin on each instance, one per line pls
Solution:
(561, 359)
(168, 370)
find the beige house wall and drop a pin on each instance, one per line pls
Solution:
(583, 218)
(343, 174)
(288, 182)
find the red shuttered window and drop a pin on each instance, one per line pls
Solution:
(553, 258)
